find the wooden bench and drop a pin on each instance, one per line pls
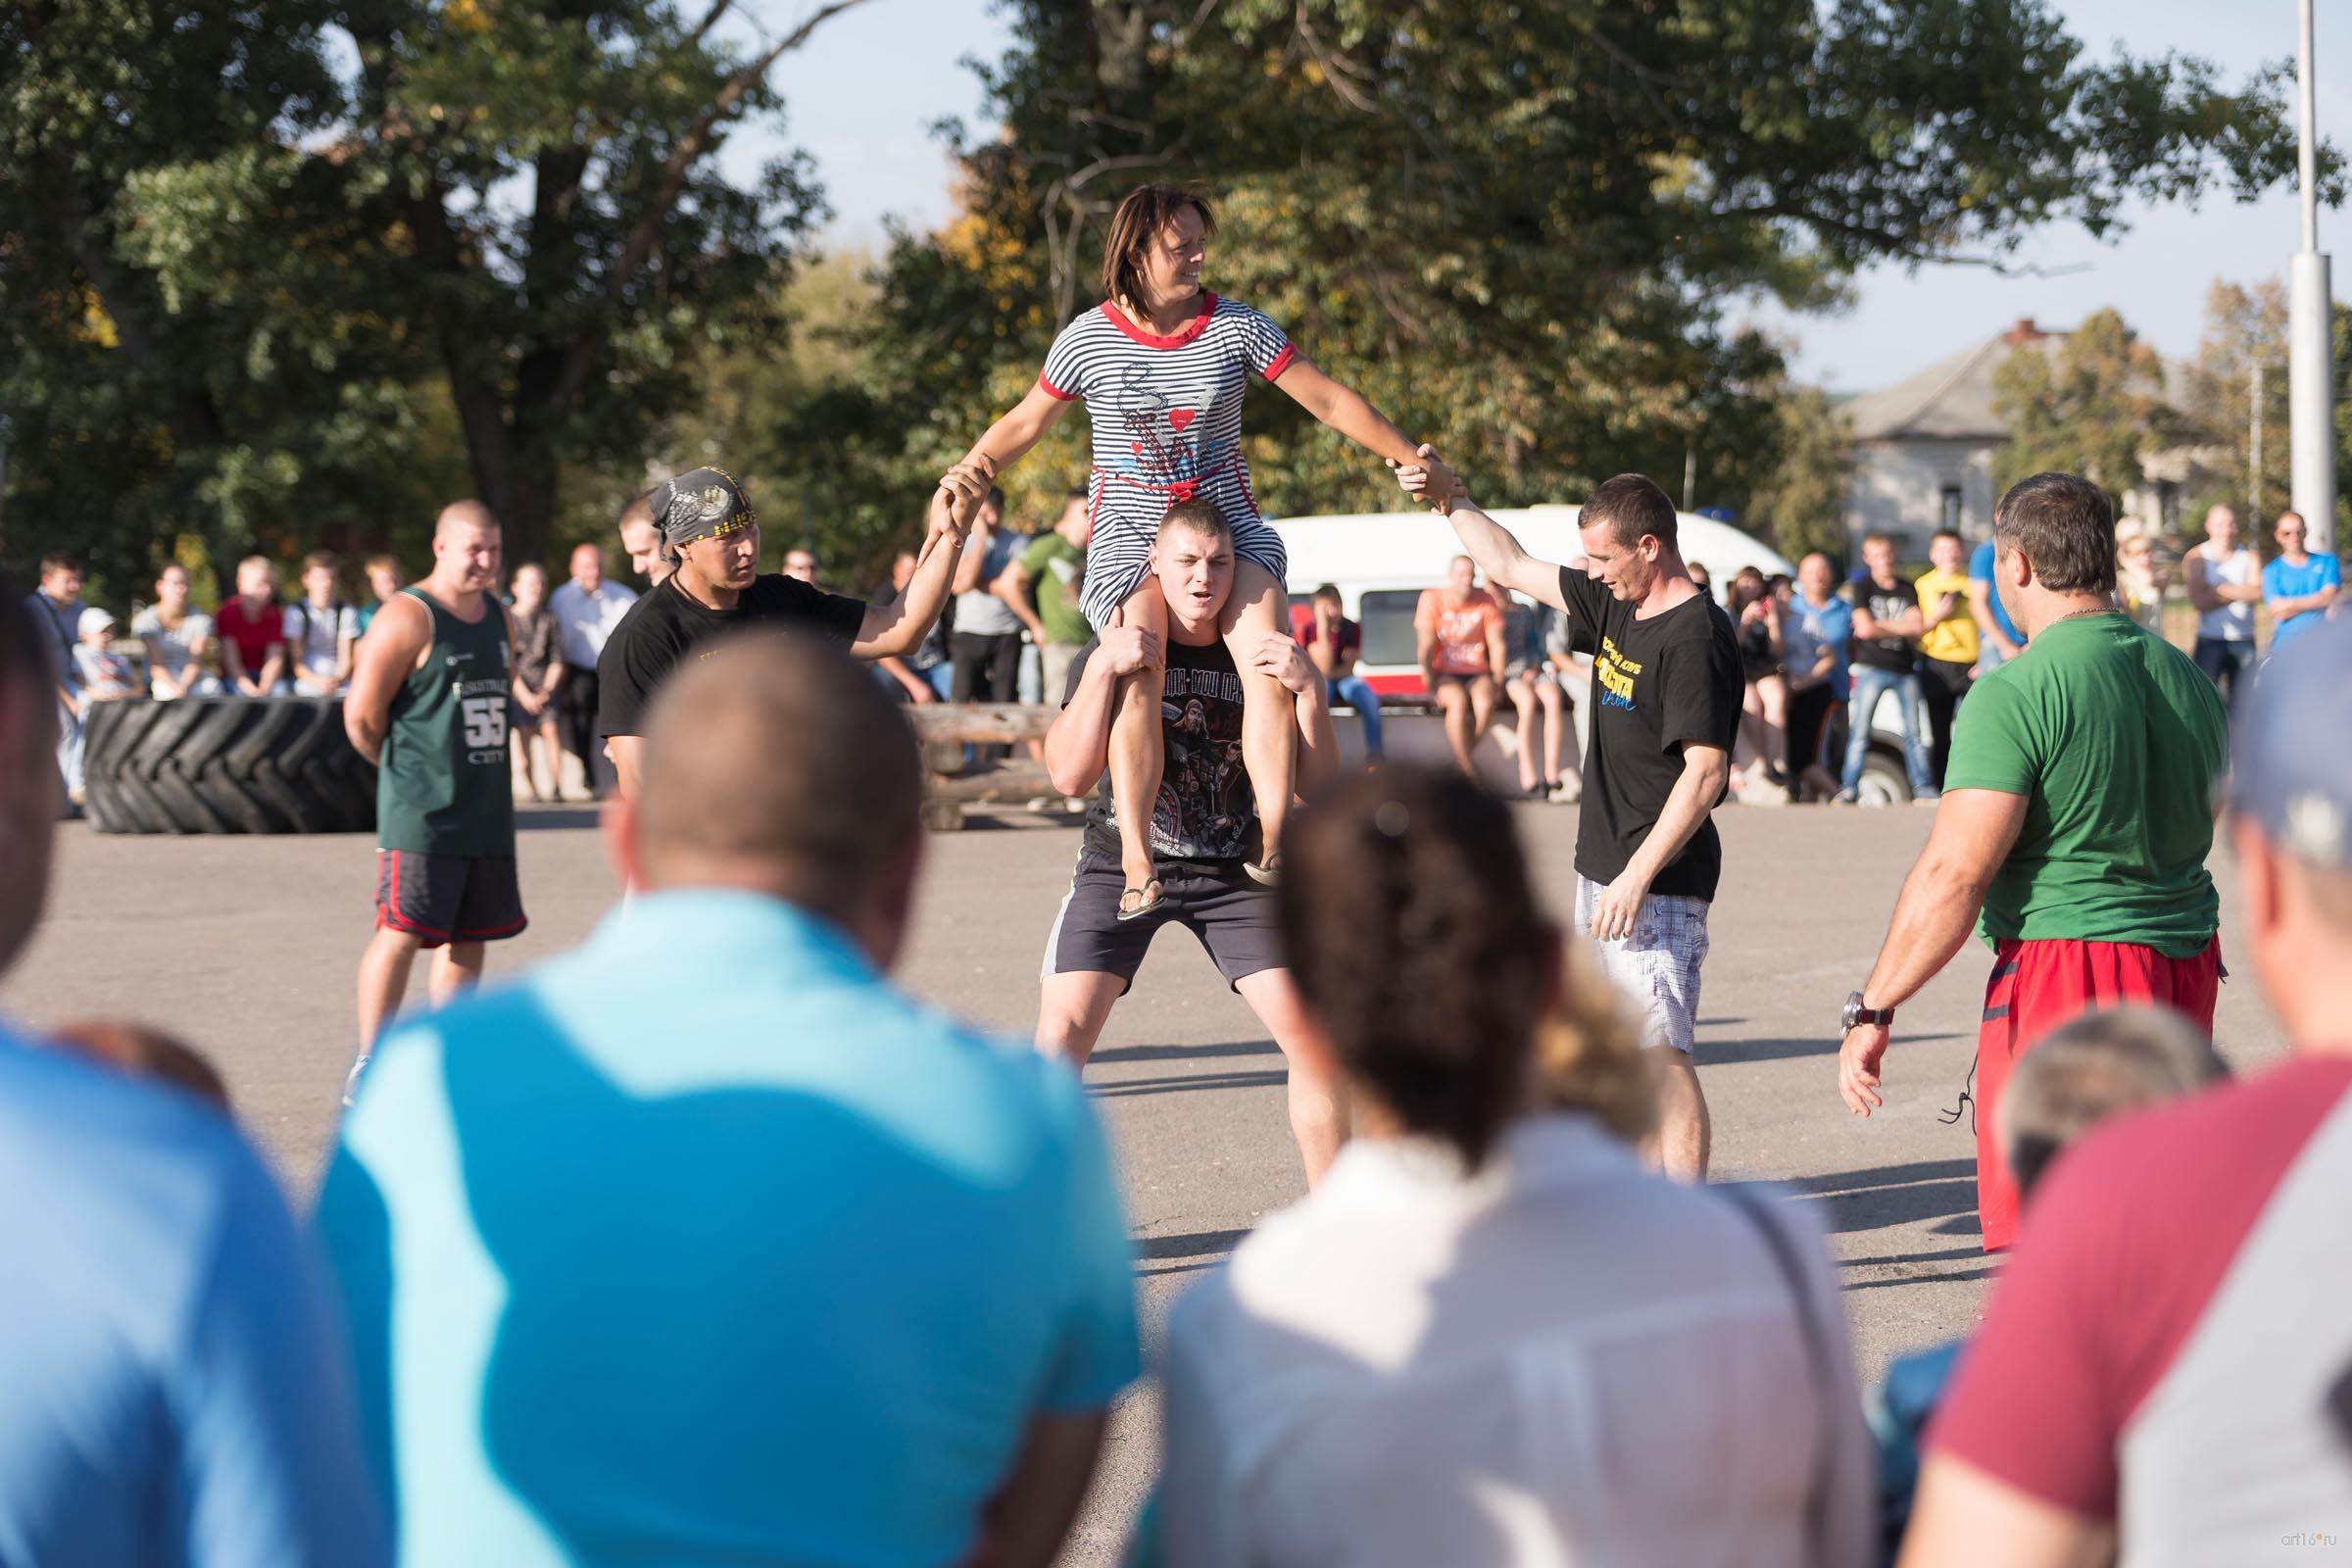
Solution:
(945, 729)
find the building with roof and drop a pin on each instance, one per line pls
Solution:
(1923, 450)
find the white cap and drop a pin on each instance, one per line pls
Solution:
(93, 620)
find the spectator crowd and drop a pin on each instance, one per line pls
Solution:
(1882, 661)
(1834, 671)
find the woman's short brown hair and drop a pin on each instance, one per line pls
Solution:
(1142, 214)
(1416, 943)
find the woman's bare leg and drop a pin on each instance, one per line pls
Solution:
(1523, 699)
(1749, 751)
(1269, 718)
(1556, 727)
(1772, 692)
(1136, 756)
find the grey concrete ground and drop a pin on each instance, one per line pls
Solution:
(246, 947)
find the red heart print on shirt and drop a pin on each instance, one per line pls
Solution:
(1180, 417)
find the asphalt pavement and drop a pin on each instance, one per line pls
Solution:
(246, 948)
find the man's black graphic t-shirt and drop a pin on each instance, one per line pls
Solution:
(1656, 684)
(654, 636)
(1206, 811)
(1898, 654)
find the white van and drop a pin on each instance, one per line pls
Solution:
(1381, 561)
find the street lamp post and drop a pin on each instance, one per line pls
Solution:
(2311, 335)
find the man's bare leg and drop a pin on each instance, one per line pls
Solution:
(1483, 699)
(456, 968)
(1138, 753)
(1319, 1097)
(1686, 1135)
(383, 980)
(1071, 1011)
(1453, 711)
(1269, 715)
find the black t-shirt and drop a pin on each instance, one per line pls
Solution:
(1900, 654)
(1206, 811)
(1656, 684)
(659, 627)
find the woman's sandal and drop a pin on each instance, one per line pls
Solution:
(1265, 873)
(1151, 896)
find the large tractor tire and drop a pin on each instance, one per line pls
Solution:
(224, 764)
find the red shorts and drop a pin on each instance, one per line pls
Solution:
(2037, 987)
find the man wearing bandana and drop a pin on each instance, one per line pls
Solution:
(711, 538)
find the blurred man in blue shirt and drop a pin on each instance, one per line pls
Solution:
(752, 1259)
(2300, 587)
(171, 1388)
(1997, 637)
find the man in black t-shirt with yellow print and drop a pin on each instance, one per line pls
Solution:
(1666, 689)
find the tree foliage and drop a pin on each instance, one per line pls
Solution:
(2244, 328)
(194, 342)
(1798, 504)
(1515, 226)
(2091, 402)
(268, 298)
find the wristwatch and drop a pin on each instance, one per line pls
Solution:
(1856, 1015)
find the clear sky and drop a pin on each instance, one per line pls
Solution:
(864, 93)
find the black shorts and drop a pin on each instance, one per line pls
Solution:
(1232, 916)
(440, 899)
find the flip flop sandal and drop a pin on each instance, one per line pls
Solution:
(1265, 873)
(1150, 893)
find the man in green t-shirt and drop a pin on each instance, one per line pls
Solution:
(2076, 821)
(1054, 564)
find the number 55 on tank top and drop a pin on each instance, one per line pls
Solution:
(444, 787)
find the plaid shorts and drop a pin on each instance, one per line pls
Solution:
(1658, 964)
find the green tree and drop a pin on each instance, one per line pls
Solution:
(2343, 426)
(1514, 227)
(157, 386)
(1798, 504)
(244, 289)
(2243, 328)
(2091, 403)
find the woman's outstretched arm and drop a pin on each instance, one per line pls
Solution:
(1350, 412)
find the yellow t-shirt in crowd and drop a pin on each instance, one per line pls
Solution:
(1953, 639)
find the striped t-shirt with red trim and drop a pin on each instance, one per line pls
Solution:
(1167, 426)
(1167, 411)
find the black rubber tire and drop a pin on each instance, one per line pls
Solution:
(224, 764)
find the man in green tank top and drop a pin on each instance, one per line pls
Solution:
(429, 706)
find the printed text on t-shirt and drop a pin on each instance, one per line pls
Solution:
(1615, 672)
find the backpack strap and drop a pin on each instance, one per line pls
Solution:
(1755, 1208)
